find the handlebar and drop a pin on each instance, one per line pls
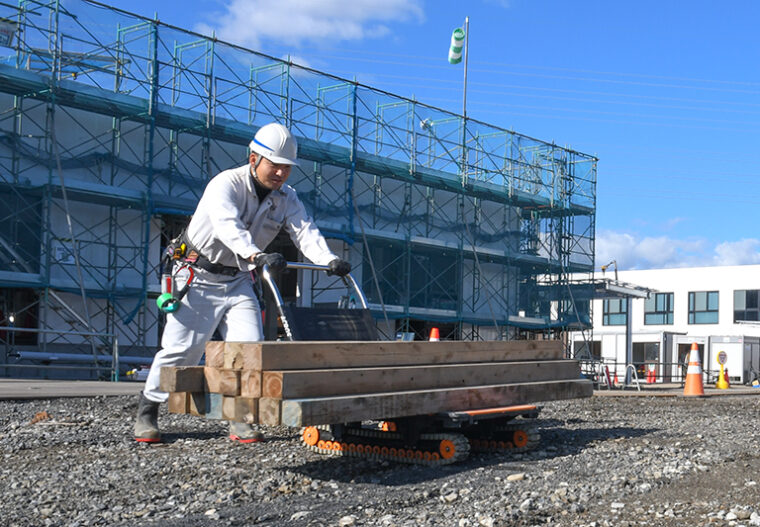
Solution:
(267, 276)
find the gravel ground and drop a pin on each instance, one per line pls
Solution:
(619, 461)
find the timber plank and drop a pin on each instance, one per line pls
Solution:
(181, 379)
(197, 403)
(179, 403)
(214, 405)
(241, 409)
(270, 411)
(250, 383)
(239, 358)
(331, 410)
(345, 354)
(215, 354)
(222, 380)
(294, 384)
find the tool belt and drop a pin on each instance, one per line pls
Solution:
(182, 249)
(203, 263)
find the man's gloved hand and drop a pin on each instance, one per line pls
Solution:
(275, 261)
(338, 267)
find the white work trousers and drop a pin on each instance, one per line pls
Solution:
(213, 301)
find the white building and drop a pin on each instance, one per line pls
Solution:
(716, 307)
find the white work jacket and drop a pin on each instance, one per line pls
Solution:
(230, 225)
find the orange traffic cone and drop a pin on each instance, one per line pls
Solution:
(694, 386)
(615, 381)
(435, 335)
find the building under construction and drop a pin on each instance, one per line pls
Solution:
(111, 125)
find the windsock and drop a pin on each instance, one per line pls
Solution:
(457, 44)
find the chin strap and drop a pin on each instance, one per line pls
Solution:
(255, 166)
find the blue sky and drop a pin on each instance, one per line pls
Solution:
(665, 94)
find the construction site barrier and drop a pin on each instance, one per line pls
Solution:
(114, 357)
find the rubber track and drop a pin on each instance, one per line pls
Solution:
(486, 445)
(461, 447)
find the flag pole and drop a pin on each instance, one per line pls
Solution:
(463, 176)
(466, 47)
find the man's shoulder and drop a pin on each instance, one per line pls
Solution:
(233, 173)
(232, 176)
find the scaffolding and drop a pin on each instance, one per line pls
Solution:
(111, 124)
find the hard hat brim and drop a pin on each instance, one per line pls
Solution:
(280, 160)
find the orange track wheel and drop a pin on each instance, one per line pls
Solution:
(344, 446)
(376, 450)
(427, 456)
(419, 455)
(401, 453)
(384, 451)
(320, 444)
(360, 449)
(520, 438)
(351, 448)
(336, 446)
(501, 445)
(447, 449)
(328, 445)
(409, 453)
(393, 452)
(435, 456)
(492, 445)
(310, 435)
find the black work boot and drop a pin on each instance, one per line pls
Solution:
(244, 433)
(146, 426)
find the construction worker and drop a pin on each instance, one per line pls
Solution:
(240, 213)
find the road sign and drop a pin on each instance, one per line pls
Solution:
(722, 358)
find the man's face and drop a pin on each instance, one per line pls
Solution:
(270, 176)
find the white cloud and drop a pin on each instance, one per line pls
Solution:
(746, 251)
(252, 23)
(633, 252)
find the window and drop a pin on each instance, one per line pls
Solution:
(615, 312)
(746, 305)
(703, 307)
(658, 309)
(389, 259)
(423, 277)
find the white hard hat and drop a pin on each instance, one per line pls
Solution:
(275, 142)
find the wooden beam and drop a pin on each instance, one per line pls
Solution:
(215, 354)
(250, 383)
(181, 379)
(270, 411)
(179, 403)
(214, 405)
(204, 404)
(345, 354)
(222, 380)
(241, 409)
(332, 410)
(197, 403)
(295, 384)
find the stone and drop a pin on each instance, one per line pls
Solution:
(451, 497)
